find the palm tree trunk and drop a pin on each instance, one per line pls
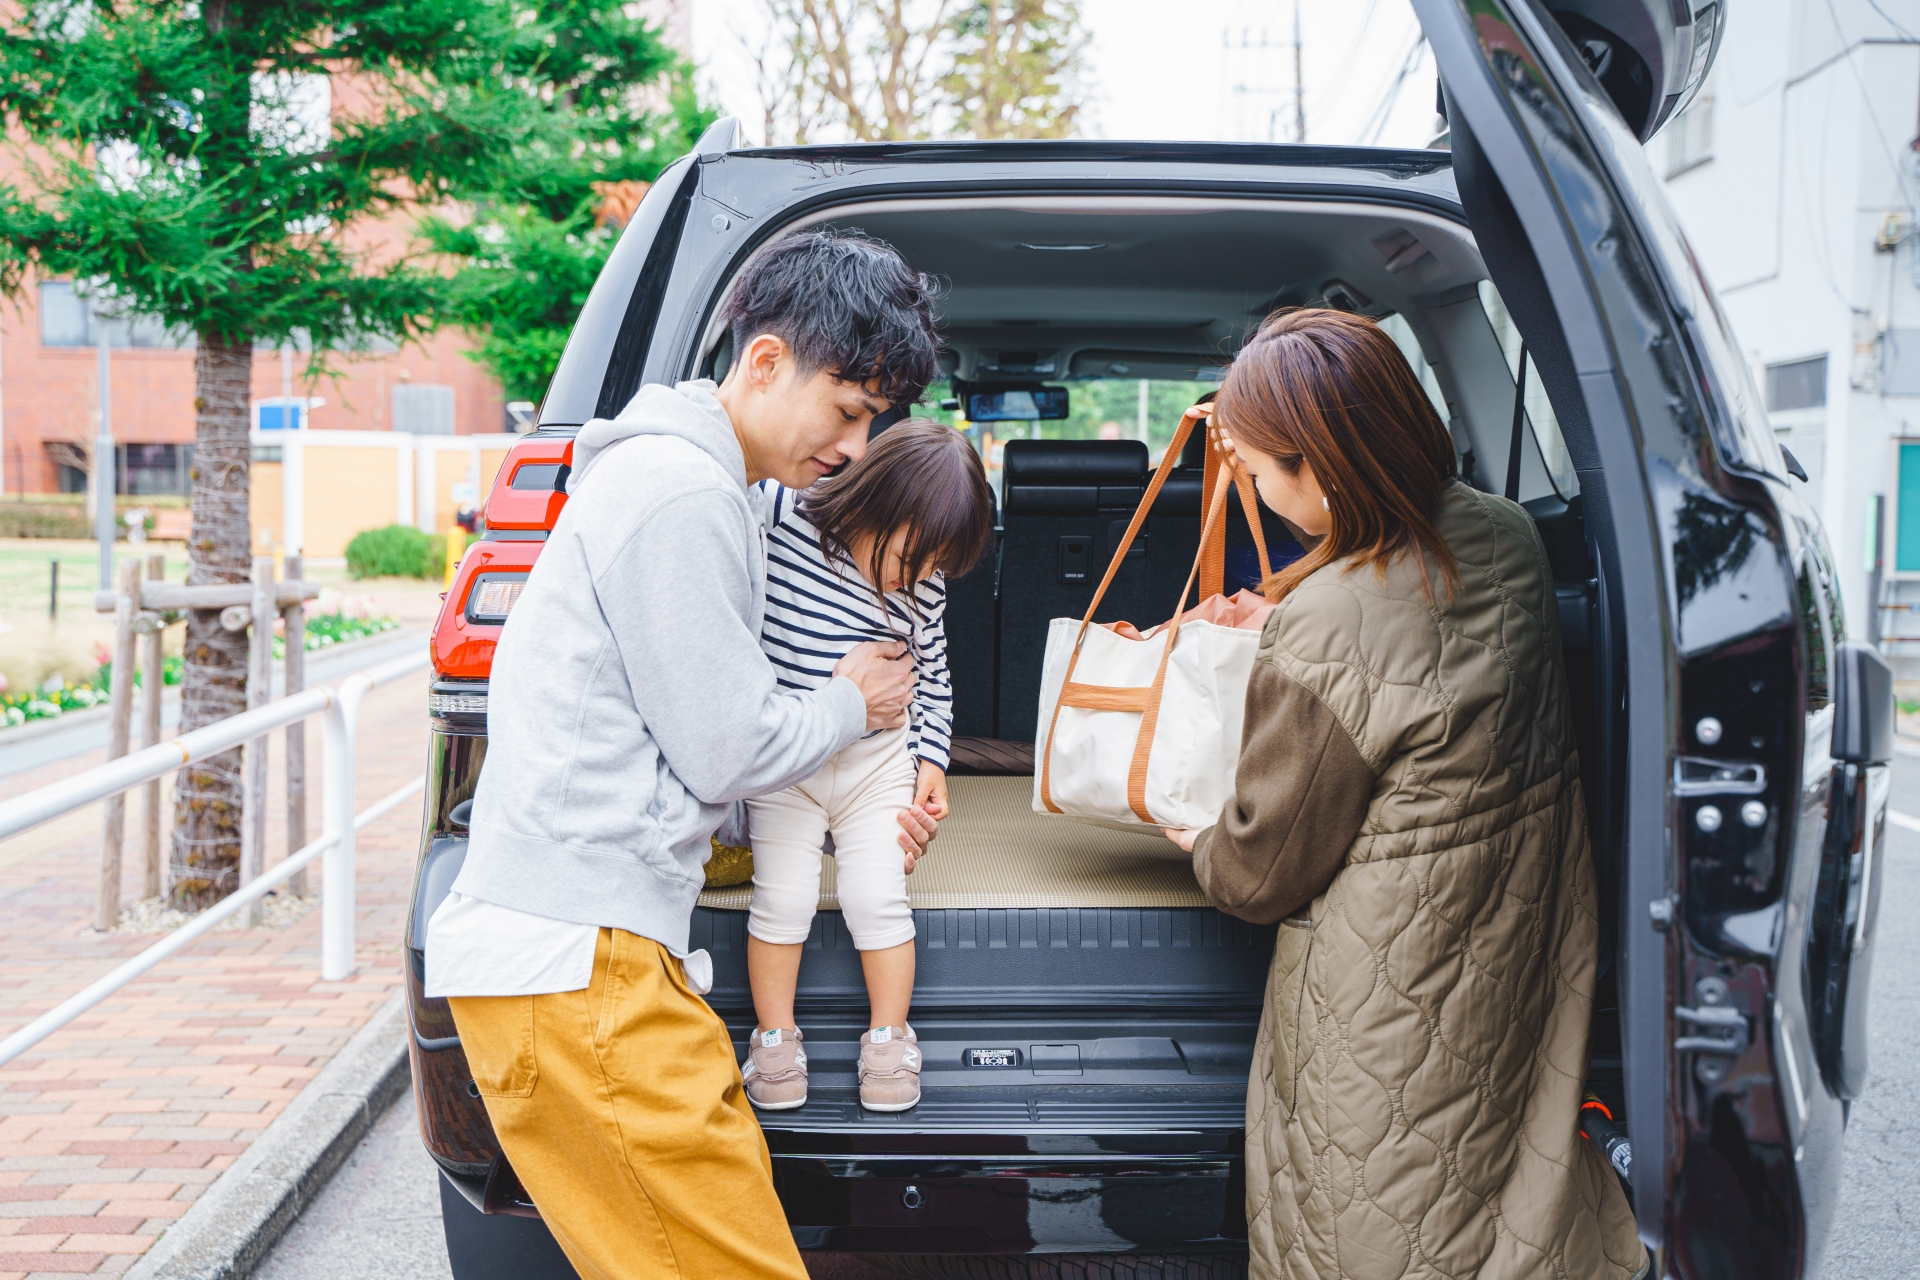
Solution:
(207, 794)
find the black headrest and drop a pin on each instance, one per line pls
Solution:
(1075, 461)
(1074, 477)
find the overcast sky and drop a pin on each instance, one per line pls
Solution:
(1191, 69)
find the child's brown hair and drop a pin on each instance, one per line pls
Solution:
(918, 475)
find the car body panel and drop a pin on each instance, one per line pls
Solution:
(1729, 1136)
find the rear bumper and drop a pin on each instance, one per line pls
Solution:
(1036, 1204)
(959, 1203)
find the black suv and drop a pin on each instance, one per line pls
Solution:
(1087, 1020)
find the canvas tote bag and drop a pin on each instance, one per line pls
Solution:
(1144, 730)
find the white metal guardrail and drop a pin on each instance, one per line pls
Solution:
(339, 709)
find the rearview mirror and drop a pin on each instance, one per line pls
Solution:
(1028, 405)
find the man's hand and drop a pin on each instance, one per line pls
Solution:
(1184, 837)
(930, 798)
(884, 674)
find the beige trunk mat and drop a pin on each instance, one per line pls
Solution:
(995, 851)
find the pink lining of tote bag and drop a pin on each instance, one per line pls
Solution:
(1243, 611)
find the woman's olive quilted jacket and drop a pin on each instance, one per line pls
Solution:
(1416, 1084)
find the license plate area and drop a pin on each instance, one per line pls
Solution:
(993, 1058)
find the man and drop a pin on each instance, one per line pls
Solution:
(631, 706)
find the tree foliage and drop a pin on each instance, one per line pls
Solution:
(239, 167)
(534, 241)
(903, 70)
(178, 156)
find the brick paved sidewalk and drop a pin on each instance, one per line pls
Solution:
(111, 1127)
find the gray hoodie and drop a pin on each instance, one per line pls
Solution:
(630, 703)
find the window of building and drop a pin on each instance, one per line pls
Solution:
(138, 468)
(423, 409)
(1797, 384)
(66, 320)
(154, 469)
(63, 316)
(1690, 135)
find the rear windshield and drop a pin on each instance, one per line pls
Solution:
(1097, 409)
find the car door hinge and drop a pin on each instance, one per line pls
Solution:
(1719, 1030)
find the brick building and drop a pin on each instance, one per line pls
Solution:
(49, 372)
(49, 394)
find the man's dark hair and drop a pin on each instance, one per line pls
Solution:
(846, 303)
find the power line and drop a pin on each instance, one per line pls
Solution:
(1324, 104)
(1890, 22)
(1377, 123)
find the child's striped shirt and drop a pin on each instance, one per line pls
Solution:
(818, 610)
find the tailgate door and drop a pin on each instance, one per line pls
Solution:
(1669, 439)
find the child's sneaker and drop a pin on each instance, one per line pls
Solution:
(776, 1069)
(889, 1069)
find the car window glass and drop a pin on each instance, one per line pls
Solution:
(1738, 418)
(1540, 414)
(1813, 634)
(1097, 409)
(1402, 334)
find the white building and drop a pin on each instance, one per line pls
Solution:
(1795, 174)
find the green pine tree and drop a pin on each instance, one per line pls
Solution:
(538, 234)
(170, 162)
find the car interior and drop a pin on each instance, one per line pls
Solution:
(1049, 291)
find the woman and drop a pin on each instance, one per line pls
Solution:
(1408, 806)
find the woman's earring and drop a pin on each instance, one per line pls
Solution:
(1324, 506)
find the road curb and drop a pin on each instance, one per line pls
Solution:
(244, 1212)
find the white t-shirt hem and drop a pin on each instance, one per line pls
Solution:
(477, 948)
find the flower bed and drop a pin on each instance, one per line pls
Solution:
(51, 702)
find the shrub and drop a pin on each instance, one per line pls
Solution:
(397, 551)
(43, 520)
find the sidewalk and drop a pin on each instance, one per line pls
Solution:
(111, 1127)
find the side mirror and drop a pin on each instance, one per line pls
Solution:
(1862, 705)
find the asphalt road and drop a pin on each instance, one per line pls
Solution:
(379, 1219)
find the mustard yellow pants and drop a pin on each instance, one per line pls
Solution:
(622, 1111)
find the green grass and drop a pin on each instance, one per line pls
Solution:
(25, 575)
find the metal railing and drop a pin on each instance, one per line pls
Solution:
(339, 710)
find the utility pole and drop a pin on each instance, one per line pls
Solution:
(1299, 82)
(103, 459)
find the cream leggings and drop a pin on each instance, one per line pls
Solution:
(857, 795)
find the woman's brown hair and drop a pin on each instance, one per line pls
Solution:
(920, 476)
(1333, 390)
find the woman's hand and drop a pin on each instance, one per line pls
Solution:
(1182, 836)
(923, 819)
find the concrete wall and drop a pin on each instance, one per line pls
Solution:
(350, 481)
(1814, 113)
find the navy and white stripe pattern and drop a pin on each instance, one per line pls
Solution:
(817, 611)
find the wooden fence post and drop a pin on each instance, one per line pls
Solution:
(154, 664)
(253, 814)
(295, 640)
(107, 908)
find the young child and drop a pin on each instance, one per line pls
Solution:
(861, 556)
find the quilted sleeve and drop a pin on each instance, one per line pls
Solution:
(1299, 798)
